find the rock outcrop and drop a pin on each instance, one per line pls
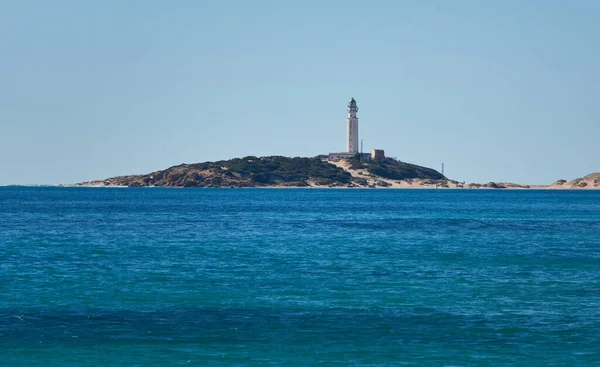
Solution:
(591, 181)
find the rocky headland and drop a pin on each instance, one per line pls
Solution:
(278, 171)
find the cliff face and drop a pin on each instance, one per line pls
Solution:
(272, 171)
(591, 181)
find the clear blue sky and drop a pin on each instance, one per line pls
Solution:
(497, 90)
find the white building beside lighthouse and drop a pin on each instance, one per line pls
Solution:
(352, 141)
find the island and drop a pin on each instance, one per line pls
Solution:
(315, 172)
(279, 171)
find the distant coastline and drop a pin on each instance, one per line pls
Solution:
(316, 172)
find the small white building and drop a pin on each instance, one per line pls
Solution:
(377, 154)
(334, 157)
(340, 156)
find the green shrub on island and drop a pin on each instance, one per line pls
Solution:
(394, 170)
(360, 181)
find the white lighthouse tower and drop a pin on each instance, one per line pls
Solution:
(352, 147)
(352, 128)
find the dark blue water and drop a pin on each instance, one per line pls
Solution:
(251, 277)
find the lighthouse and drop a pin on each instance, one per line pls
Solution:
(351, 138)
(352, 128)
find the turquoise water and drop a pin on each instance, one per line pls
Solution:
(253, 277)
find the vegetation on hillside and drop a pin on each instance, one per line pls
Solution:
(395, 170)
(273, 171)
(242, 172)
(277, 169)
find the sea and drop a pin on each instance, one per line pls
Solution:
(299, 277)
